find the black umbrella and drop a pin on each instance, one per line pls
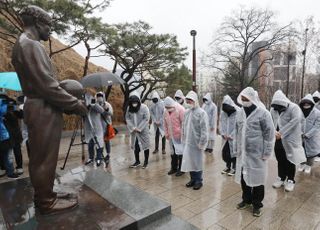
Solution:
(101, 79)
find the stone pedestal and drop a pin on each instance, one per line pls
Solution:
(104, 203)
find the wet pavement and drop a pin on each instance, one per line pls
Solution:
(214, 206)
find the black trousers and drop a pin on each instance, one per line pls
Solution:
(230, 161)
(18, 155)
(157, 138)
(285, 168)
(252, 195)
(176, 160)
(137, 153)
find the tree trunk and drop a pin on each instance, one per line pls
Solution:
(86, 61)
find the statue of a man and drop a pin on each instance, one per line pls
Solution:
(46, 101)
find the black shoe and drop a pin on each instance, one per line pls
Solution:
(135, 165)
(145, 165)
(256, 212)
(190, 184)
(225, 171)
(163, 152)
(243, 205)
(13, 176)
(179, 173)
(172, 171)
(99, 162)
(155, 151)
(197, 186)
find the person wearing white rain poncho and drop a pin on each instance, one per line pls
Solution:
(195, 134)
(179, 97)
(227, 125)
(212, 112)
(287, 120)
(253, 147)
(137, 118)
(173, 118)
(316, 98)
(311, 132)
(93, 130)
(156, 112)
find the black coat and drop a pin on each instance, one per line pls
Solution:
(11, 122)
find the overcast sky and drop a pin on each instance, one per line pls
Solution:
(180, 16)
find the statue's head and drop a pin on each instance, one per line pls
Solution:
(38, 18)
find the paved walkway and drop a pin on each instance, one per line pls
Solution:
(213, 207)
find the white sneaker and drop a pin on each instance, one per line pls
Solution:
(278, 183)
(307, 169)
(289, 186)
(317, 159)
(19, 171)
(301, 167)
(2, 172)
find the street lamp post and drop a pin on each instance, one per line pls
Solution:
(194, 63)
(304, 62)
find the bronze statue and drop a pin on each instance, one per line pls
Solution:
(46, 101)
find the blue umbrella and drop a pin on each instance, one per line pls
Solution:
(10, 80)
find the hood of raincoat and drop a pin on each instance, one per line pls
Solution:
(194, 97)
(155, 95)
(179, 94)
(101, 94)
(134, 94)
(208, 97)
(316, 94)
(169, 102)
(249, 93)
(228, 100)
(280, 99)
(307, 98)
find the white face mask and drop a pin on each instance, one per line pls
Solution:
(189, 106)
(100, 99)
(134, 105)
(307, 106)
(246, 103)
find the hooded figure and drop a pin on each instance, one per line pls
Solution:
(173, 118)
(93, 130)
(316, 98)
(156, 112)
(287, 119)
(253, 146)
(228, 115)
(6, 162)
(179, 97)
(137, 118)
(195, 135)
(106, 119)
(212, 112)
(311, 131)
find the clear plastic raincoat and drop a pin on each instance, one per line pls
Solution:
(195, 134)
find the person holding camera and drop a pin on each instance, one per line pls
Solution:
(106, 120)
(93, 130)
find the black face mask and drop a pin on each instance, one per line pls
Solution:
(316, 99)
(249, 110)
(228, 109)
(279, 108)
(155, 100)
(306, 112)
